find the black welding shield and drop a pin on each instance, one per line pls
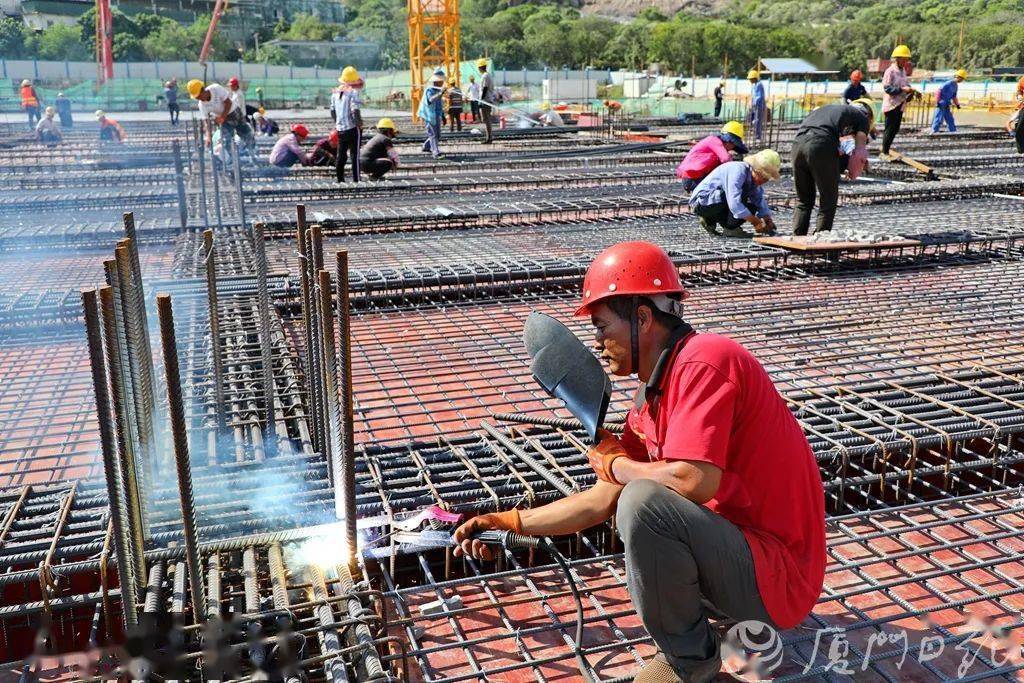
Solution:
(567, 370)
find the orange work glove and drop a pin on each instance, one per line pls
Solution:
(601, 456)
(497, 521)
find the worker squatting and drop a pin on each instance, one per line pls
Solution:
(715, 491)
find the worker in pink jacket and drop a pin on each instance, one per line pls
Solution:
(709, 153)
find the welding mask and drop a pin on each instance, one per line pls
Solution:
(567, 370)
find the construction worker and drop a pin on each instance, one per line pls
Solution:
(758, 103)
(431, 110)
(548, 116)
(896, 93)
(731, 195)
(215, 102)
(63, 106)
(47, 131)
(716, 493)
(474, 98)
(30, 102)
(719, 97)
(325, 151)
(348, 121)
(709, 153)
(488, 97)
(171, 97)
(855, 90)
(455, 100)
(945, 99)
(259, 99)
(287, 151)
(110, 130)
(1016, 123)
(816, 164)
(379, 156)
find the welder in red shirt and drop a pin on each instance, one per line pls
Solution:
(715, 490)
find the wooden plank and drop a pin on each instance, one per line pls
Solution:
(794, 243)
(913, 163)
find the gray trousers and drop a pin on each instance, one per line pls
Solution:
(682, 559)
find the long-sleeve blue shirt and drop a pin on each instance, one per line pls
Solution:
(732, 183)
(432, 105)
(947, 93)
(854, 91)
(757, 94)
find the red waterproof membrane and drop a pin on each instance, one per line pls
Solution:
(48, 429)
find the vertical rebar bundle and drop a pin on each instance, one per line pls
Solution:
(179, 432)
(266, 342)
(216, 350)
(179, 181)
(348, 451)
(111, 457)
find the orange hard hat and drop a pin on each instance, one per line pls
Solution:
(630, 269)
(856, 76)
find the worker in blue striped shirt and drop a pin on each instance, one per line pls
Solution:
(348, 120)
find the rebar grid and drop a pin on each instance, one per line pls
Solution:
(922, 570)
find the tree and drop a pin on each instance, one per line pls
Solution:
(309, 27)
(273, 54)
(12, 38)
(588, 38)
(60, 42)
(630, 47)
(170, 41)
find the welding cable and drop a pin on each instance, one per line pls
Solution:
(510, 540)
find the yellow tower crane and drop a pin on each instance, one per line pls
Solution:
(433, 42)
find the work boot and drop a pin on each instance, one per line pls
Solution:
(708, 226)
(658, 670)
(735, 232)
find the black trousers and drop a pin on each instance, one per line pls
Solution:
(175, 111)
(455, 118)
(718, 107)
(719, 214)
(349, 142)
(474, 110)
(815, 172)
(377, 167)
(486, 115)
(893, 120)
(1018, 132)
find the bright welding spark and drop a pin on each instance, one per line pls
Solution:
(325, 550)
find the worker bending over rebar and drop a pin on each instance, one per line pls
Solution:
(714, 488)
(817, 165)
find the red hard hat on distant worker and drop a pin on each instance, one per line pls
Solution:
(233, 81)
(856, 76)
(300, 130)
(630, 268)
(334, 137)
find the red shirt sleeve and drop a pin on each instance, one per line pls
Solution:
(633, 444)
(698, 413)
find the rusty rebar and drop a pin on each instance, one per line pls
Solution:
(108, 445)
(330, 387)
(331, 643)
(348, 451)
(215, 341)
(266, 342)
(179, 434)
(128, 482)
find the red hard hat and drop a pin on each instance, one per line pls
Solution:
(856, 76)
(334, 137)
(629, 268)
(233, 81)
(300, 130)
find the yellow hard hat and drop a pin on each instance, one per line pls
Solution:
(349, 75)
(262, 111)
(961, 74)
(735, 128)
(386, 124)
(868, 104)
(901, 51)
(545, 106)
(753, 74)
(451, 81)
(482, 62)
(194, 87)
(767, 161)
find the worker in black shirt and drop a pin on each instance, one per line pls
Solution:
(816, 159)
(855, 90)
(379, 156)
